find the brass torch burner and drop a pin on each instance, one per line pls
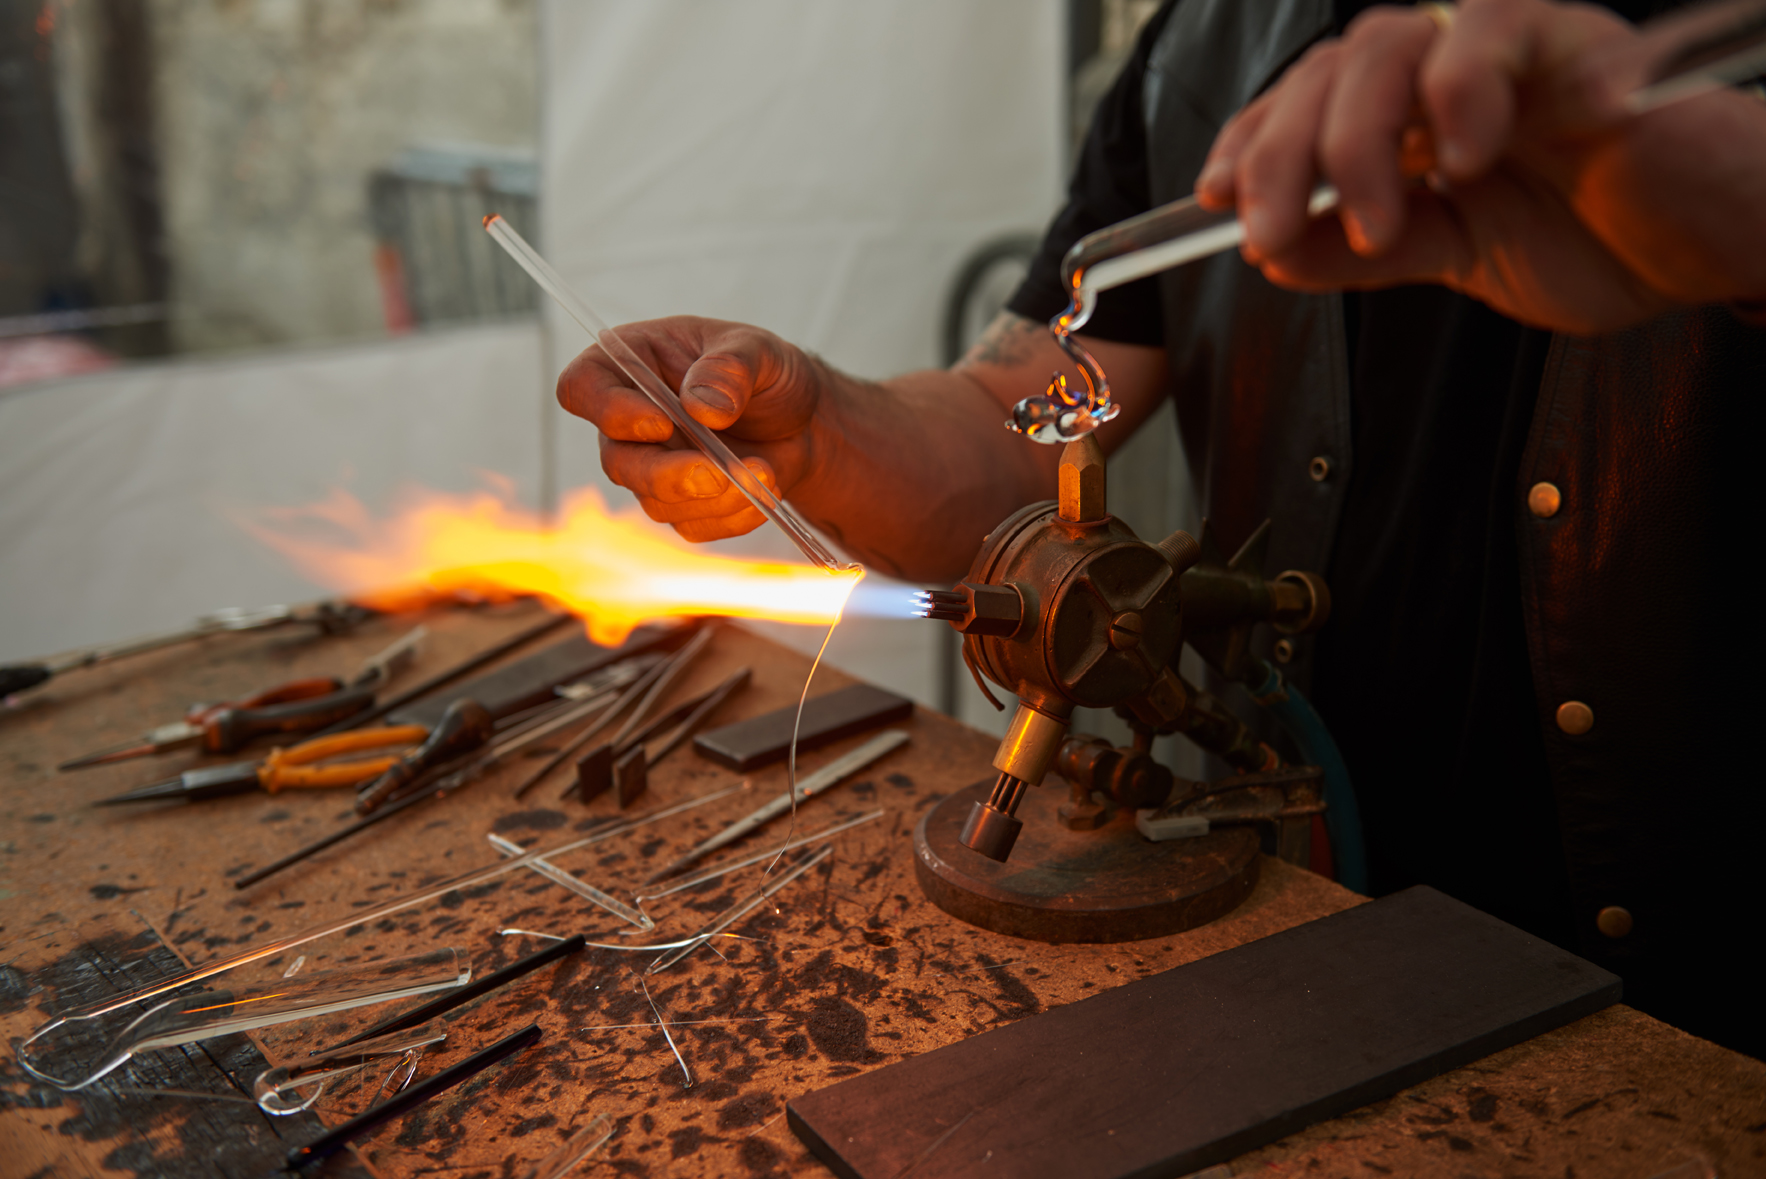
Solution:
(991, 828)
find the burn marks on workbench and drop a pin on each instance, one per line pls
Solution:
(118, 1119)
(1510, 1114)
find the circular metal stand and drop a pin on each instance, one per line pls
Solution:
(1108, 885)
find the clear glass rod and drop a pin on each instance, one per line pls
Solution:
(645, 378)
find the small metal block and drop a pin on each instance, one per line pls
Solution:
(991, 832)
(631, 776)
(1613, 921)
(1575, 717)
(1544, 500)
(1160, 828)
(594, 772)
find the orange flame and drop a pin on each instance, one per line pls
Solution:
(614, 570)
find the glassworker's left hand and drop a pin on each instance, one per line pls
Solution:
(1547, 200)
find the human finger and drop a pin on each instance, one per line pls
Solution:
(1280, 160)
(660, 473)
(719, 385)
(1528, 258)
(1468, 81)
(1432, 248)
(1365, 117)
(752, 383)
(1216, 183)
(593, 388)
(726, 513)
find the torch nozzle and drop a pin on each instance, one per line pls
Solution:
(973, 609)
(944, 605)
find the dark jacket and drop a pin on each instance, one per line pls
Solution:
(1634, 593)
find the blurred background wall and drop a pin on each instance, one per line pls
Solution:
(240, 262)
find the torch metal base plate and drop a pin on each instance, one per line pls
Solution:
(1108, 885)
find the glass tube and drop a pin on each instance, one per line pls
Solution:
(739, 910)
(581, 888)
(653, 387)
(96, 1011)
(91, 1051)
(276, 1089)
(576, 1148)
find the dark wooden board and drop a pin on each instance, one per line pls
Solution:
(1195, 1065)
(763, 740)
(530, 681)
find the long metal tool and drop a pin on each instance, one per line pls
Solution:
(455, 775)
(332, 617)
(423, 1013)
(463, 668)
(596, 771)
(328, 1144)
(807, 788)
(644, 692)
(653, 387)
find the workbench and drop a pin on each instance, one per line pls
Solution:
(847, 969)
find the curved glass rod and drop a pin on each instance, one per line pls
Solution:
(1676, 56)
(1156, 240)
(653, 387)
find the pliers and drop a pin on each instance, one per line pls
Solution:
(284, 769)
(298, 706)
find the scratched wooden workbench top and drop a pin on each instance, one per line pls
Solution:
(846, 969)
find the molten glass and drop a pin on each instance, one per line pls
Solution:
(613, 570)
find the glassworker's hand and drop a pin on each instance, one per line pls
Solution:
(757, 391)
(1544, 199)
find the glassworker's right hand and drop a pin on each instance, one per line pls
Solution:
(759, 392)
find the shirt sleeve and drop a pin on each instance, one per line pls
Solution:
(1109, 184)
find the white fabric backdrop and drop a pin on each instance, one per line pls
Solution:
(116, 489)
(820, 169)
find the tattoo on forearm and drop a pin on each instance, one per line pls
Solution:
(1009, 341)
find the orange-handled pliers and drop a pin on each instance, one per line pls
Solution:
(296, 767)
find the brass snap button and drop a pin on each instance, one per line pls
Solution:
(1575, 717)
(1544, 500)
(1613, 921)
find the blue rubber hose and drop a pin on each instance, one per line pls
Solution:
(1342, 817)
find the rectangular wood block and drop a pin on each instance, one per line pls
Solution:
(1201, 1063)
(762, 740)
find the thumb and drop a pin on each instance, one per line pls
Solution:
(718, 387)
